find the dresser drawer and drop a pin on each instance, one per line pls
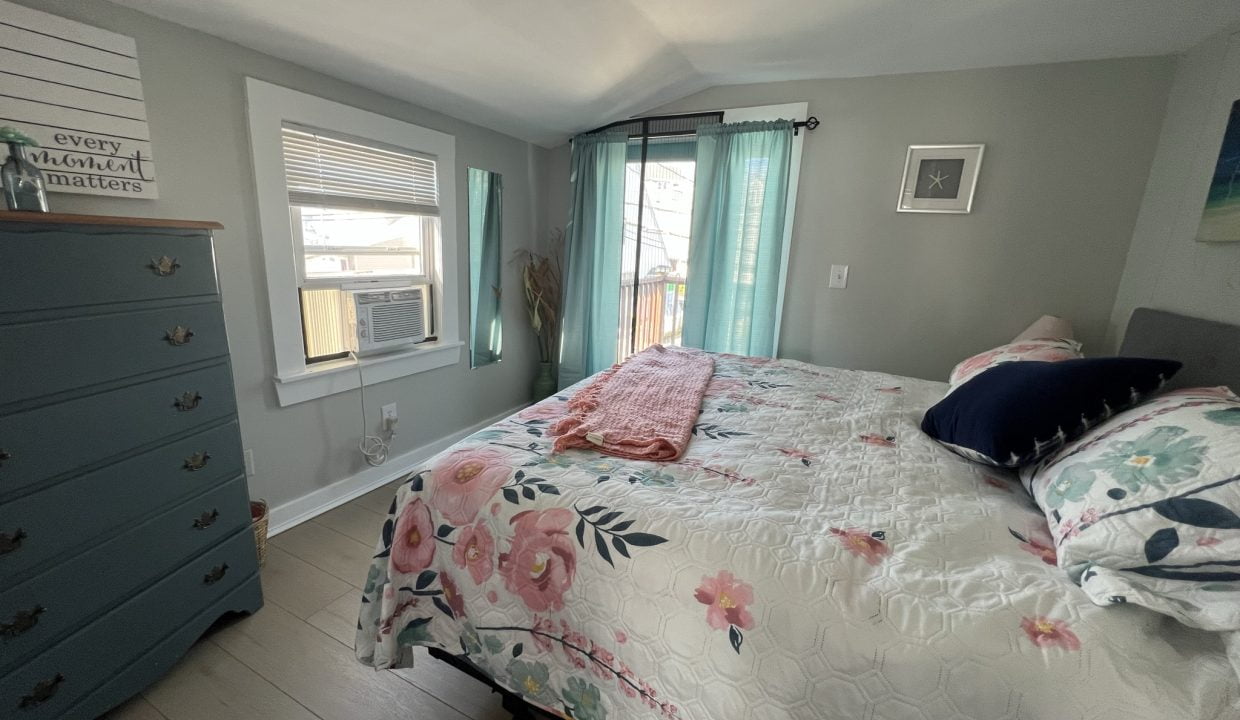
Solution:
(57, 520)
(56, 268)
(55, 439)
(48, 685)
(39, 611)
(164, 655)
(58, 355)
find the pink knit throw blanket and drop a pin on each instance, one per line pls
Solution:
(643, 409)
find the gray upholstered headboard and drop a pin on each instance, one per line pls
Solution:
(1209, 350)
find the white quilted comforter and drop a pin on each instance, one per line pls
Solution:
(812, 555)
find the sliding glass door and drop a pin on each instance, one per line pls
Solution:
(660, 183)
(658, 209)
(658, 212)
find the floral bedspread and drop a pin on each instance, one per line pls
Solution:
(812, 555)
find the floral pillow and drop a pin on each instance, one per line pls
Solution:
(1046, 350)
(1145, 508)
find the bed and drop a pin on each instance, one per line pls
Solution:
(812, 555)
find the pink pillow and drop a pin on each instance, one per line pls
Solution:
(1046, 350)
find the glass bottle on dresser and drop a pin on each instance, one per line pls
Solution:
(23, 182)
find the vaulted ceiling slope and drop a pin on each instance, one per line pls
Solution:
(542, 70)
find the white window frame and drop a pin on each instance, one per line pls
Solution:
(269, 107)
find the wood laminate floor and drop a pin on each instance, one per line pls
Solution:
(293, 660)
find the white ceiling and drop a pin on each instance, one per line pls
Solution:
(544, 69)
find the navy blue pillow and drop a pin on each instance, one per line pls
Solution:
(1016, 413)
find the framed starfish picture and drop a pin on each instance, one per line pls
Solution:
(940, 178)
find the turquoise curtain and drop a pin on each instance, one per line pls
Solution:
(739, 201)
(592, 242)
(485, 217)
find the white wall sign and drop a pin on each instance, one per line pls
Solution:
(76, 90)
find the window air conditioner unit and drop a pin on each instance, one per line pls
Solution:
(383, 320)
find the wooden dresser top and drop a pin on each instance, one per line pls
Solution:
(67, 219)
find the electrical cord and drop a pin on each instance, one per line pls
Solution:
(374, 448)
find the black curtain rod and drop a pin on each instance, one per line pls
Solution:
(681, 116)
(809, 123)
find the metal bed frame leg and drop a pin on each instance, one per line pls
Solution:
(520, 709)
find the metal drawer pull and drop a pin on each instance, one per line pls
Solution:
(207, 519)
(164, 265)
(216, 574)
(42, 692)
(22, 621)
(188, 401)
(5, 455)
(197, 461)
(179, 335)
(13, 542)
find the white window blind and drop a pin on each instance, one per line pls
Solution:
(330, 170)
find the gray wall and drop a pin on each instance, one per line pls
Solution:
(1068, 150)
(194, 87)
(553, 177)
(1167, 268)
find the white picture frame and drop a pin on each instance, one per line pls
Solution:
(940, 178)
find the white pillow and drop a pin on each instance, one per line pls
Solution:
(1145, 508)
(1047, 326)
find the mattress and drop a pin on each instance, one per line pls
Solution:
(812, 555)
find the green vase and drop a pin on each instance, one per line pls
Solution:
(544, 382)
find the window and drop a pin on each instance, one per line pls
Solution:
(349, 200)
(362, 215)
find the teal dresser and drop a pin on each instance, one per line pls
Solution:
(124, 514)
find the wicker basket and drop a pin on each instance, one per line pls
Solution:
(258, 520)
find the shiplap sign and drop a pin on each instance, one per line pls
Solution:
(76, 90)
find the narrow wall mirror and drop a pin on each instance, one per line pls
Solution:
(486, 190)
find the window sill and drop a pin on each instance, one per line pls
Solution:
(323, 379)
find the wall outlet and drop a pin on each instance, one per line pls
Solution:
(390, 418)
(839, 276)
(249, 463)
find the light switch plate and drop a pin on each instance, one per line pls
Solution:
(839, 276)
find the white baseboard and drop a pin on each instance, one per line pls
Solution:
(306, 507)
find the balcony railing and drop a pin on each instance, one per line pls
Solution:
(660, 313)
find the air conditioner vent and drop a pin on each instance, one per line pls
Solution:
(383, 320)
(395, 321)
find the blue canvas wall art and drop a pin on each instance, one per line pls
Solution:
(1220, 221)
